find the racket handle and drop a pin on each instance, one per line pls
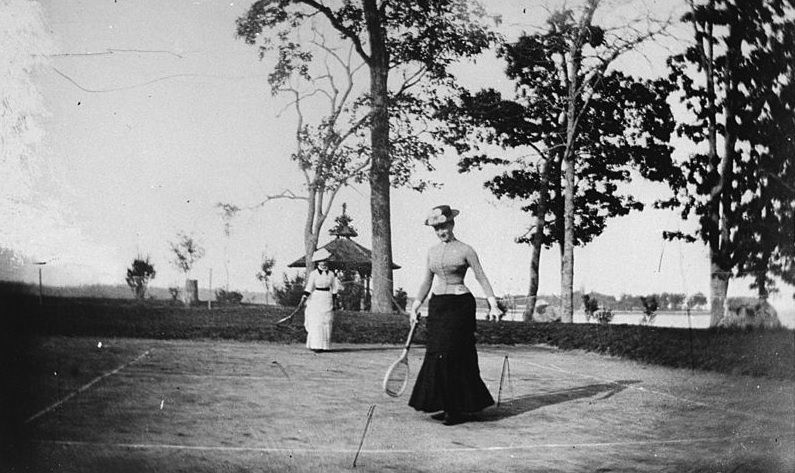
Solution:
(411, 335)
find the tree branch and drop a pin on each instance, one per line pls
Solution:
(337, 24)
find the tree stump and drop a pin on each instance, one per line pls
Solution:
(191, 293)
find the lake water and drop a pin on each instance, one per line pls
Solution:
(678, 319)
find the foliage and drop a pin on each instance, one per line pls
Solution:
(736, 80)
(415, 43)
(626, 127)
(289, 294)
(266, 269)
(588, 131)
(400, 300)
(224, 297)
(650, 306)
(604, 316)
(174, 293)
(186, 252)
(265, 272)
(139, 274)
(590, 305)
(352, 292)
(591, 309)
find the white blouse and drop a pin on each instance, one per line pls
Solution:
(323, 281)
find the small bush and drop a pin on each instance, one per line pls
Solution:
(139, 275)
(292, 289)
(604, 316)
(228, 297)
(400, 300)
(590, 305)
(650, 306)
(352, 293)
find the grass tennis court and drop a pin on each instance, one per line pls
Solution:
(139, 405)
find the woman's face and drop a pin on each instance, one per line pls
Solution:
(322, 265)
(444, 231)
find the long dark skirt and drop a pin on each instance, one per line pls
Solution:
(449, 379)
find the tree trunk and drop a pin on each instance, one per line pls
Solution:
(538, 237)
(719, 287)
(380, 163)
(567, 267)
(569, 158)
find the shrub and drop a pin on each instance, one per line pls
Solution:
(604, 316)
(400, 300)
(650, 306)
(228, 297)
(590, 306)
(138, 276)
(292, 289)
(352, 293)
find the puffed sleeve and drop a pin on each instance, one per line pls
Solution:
(310, 283)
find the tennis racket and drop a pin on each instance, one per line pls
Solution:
(397, 376)
(289, 317)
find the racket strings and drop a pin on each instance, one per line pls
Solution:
(397, 378)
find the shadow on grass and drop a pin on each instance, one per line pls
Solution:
(522, 404)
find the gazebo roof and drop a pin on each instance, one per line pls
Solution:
(345, 254)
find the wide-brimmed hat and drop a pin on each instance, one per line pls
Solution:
(320, 255)
(441, 214)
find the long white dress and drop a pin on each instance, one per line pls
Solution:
(319, 314)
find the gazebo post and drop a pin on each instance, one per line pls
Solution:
(366, 298)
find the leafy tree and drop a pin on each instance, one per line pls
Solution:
(187, 251)
(674, 301)
(737, 79)
(579, 120)
(138, 276)
(265, 273)
(697, 299)
(418, 41)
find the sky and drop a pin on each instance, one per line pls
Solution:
(156, 113)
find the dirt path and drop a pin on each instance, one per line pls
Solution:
(199, 406)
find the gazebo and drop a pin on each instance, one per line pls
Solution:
(346, 254)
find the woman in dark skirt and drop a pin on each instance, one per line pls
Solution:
(449, 380)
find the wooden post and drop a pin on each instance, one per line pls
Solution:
(210, 295)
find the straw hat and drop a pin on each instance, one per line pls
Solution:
(321, 255)
(441, 214)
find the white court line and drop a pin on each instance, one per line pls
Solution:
(220, 448)
(84, 387)
(664, 394)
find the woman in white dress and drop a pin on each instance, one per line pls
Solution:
(319, 294)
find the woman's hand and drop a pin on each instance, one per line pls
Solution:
(414, 313)
(495, 313)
